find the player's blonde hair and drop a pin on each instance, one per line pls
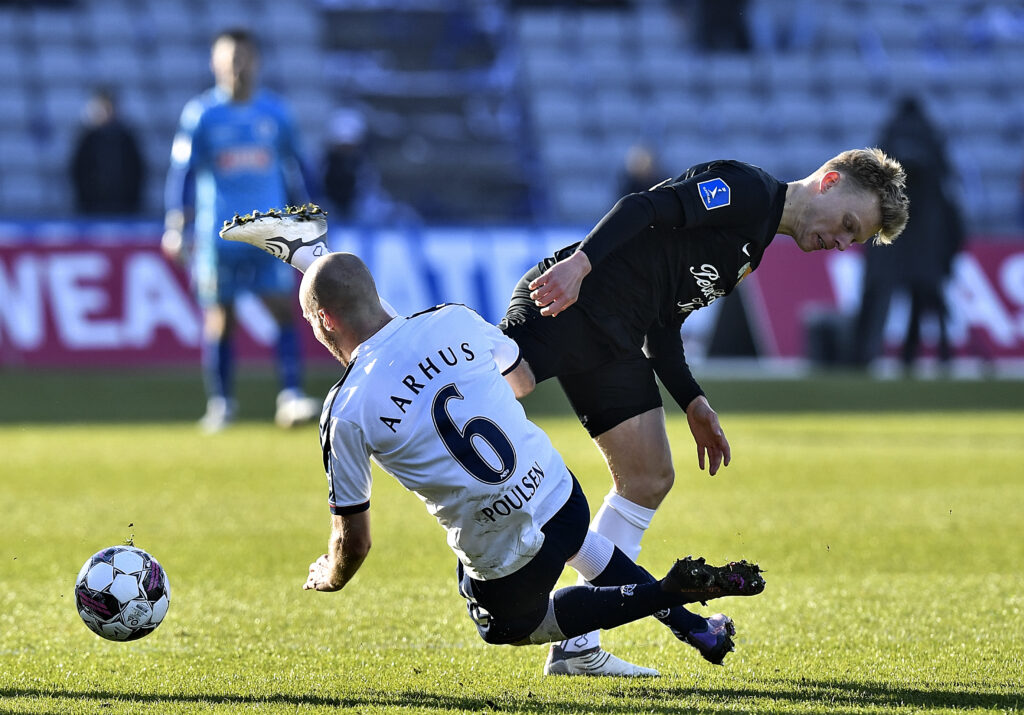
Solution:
(874, 171)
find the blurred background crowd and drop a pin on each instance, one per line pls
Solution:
(538, 112)
(528, 109)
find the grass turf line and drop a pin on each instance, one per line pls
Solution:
(892, 545)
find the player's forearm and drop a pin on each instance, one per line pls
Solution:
(664, 347)
(679, 382)
(174, 220)
(345, 558)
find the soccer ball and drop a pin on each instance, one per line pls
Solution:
(122, 593)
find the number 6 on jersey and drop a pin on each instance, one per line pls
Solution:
(460, 442)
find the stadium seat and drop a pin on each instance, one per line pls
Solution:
(606, 29)
(62, 106)
(53, 26)
(122, 64)
(657, 24)
(182, 66)
(556, 108)
(15, 110)
(111, 22)
(19, 154)
(567, 150)
(617, 109)
(23, 189)
(540, 28)
(584, 200)
(547, 68)
(300, 18)
(62, 64)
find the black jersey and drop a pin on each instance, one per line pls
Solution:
(704, 232)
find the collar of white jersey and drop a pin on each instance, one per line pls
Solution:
(380, 336)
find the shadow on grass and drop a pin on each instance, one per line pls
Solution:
(830, 695)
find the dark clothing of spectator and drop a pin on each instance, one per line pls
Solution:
(721, 25)
(924, 252)
(343, 167)
(108, 170)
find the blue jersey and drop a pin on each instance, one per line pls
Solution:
(237, 156)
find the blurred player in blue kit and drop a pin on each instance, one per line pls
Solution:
(236, 149)
(431, 398)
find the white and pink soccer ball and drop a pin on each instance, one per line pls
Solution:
(122, 593)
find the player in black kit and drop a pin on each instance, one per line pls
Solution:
(603, 316)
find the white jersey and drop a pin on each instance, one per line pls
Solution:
(425, 398)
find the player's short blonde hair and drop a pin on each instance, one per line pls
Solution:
(874, 171)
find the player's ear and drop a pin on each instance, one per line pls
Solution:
(830, 179)
(326, 321)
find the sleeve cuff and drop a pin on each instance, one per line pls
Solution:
(513, 366)
(350, 509)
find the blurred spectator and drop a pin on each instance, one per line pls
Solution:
(345, 160)
(640, 172)
(721, 25)
(107, 168)
(783, 25)
(236, 151)
(924, 253)
(352, 183)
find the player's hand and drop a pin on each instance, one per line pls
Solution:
(172, 243)
(559, 286)
(708, 435)
(321, 576)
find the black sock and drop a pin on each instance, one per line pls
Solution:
(622, 569)
(581, 609)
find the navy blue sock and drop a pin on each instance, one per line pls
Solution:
(289, 363)
(581, 609)
(621, 569)
(218, 367)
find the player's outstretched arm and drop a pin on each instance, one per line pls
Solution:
(297, 235)
(708, 435)
(347, 549)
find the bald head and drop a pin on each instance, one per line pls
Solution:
(339, 299)
(341, 284)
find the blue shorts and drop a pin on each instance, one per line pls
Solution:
(221, 276)
(507, 610)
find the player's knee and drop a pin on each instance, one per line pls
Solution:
(217, 322)
(652, 486)
(498, 633)
(539, 627)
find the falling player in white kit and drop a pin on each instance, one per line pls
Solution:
(431, 399)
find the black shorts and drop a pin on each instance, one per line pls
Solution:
(507, 610)
(605, 382)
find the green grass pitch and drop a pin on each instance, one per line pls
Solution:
(893, 546)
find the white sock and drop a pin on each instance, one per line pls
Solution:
(623, 522)
(303, 258)
(593, 557)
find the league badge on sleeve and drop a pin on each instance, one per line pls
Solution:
(715, 193)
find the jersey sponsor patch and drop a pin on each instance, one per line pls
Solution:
(714, 193)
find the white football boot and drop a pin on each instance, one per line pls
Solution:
(297, 235)
(593, 661)
(294, 408)
(220, 412)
